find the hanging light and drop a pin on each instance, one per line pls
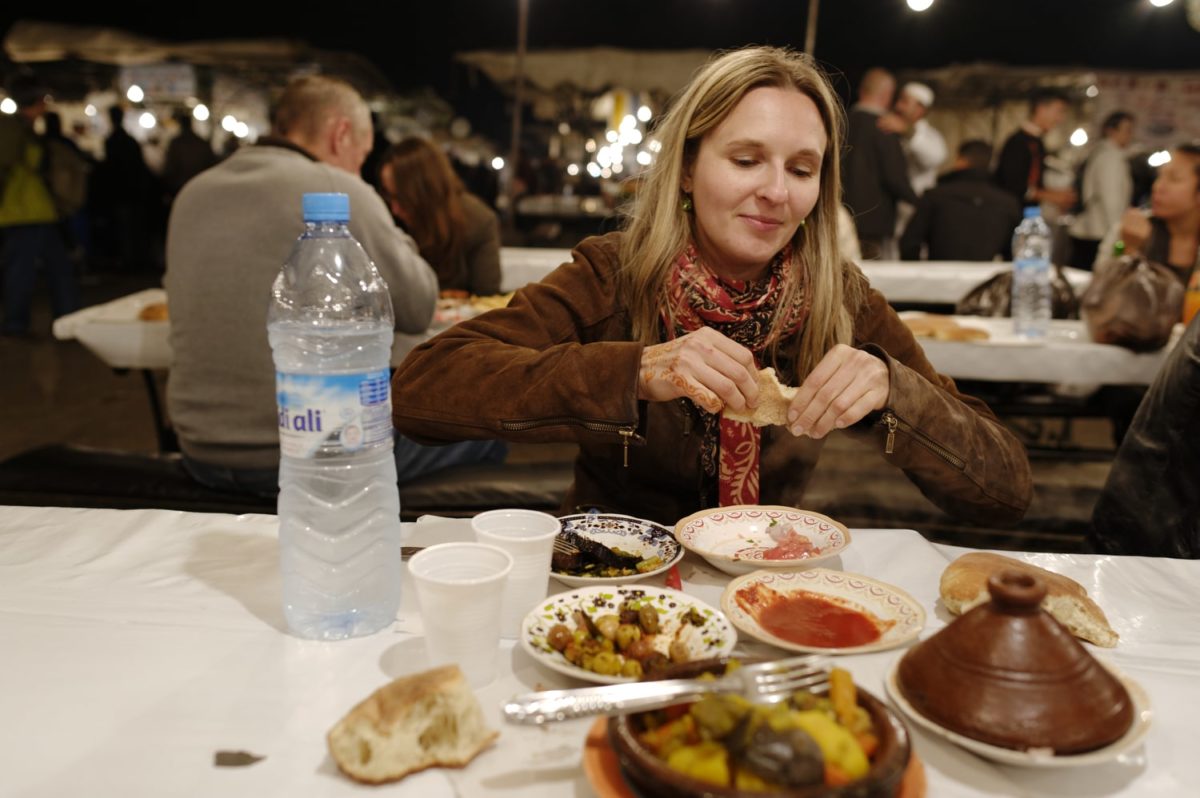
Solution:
(135, 93)
(200, 113)
(228, 123)
(497, 163)
(1079, 137)
(1093, 90)
(573, 169)
(1161, 3)
(920, 5)
(644, 113)
(1159, 158)
(147, 120)
(8, 106)
(590, 145)
(644, 158)
(241, 130)
(593, 169)
(89, 110)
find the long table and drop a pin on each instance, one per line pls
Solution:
(902, 282)
(135, 644)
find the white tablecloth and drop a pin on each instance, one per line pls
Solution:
(134, 644)
(924, 282)
(1067, 355)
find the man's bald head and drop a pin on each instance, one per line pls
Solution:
(877, 88)
(327, 117)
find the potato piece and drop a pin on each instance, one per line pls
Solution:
(836, 742)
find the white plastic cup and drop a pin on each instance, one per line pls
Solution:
(459, 587)
(529, 537)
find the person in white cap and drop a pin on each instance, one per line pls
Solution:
(924, 148)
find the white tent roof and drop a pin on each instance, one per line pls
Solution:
(594, 69)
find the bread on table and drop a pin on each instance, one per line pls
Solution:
(774, 400)
(155, 311)
(429, 719)
(943, 328)
(964, 586)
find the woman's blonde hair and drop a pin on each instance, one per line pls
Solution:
(430, 192)
(659, 228)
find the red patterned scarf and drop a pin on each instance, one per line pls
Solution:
(741, 310)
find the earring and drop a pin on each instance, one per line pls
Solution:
(686, 203)
(804, 222)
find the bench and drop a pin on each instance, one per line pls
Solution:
(70, 476)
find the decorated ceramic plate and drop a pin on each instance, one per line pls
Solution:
(710, 636)
(748, 537)
(1038, 758)
(645, 539)
(820, 610)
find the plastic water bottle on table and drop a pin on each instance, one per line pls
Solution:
(330, 325)
(1031, 289)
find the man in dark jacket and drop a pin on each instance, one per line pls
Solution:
(874, 171)
(965, 217)
(1021, 169)
(1150, 505)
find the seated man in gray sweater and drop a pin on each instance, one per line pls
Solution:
(231, 229)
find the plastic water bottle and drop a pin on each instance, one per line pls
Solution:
(1031, 276)
(330, 325)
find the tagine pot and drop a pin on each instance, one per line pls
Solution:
(1008, 674)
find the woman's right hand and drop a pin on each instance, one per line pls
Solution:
(704, 366)
(1135, 229)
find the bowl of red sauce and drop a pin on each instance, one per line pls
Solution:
(820, 610)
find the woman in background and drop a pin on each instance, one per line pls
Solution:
(1170, 235)
(455, 231)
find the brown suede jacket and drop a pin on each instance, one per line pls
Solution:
(558, 364)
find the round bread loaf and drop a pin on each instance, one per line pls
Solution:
(429, 719)
(964, 587)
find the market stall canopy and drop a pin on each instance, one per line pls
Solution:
(42, 42)
(592, 70)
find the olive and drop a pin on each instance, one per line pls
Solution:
(606, 663)
(607, 624)
(558, 637)
(627, 635)
(648, 619)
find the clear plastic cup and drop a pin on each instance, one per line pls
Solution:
(459, 587)
(529, 537)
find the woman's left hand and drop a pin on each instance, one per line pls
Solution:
(847, 384)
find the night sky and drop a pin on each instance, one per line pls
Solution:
(412, 42)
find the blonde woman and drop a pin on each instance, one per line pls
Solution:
(729, 263)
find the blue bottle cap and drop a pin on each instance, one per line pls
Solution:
(1030, 212)
(326, 207)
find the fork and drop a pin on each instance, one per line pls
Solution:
(763, 683)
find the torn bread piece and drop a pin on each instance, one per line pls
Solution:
(429, 719)
(964, 586)
(774, 400)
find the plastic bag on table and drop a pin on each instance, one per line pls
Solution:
(1133, 302)
(993, 297)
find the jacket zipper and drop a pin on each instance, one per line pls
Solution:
(893, 423)
(626, 431)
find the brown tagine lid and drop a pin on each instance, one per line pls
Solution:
(1008, 674)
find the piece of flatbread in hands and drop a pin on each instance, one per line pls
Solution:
(774, 400)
